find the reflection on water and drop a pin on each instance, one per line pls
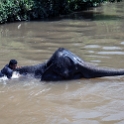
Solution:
(98, 39)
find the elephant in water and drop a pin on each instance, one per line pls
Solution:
(64, 65)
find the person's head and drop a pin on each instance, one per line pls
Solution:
(13, 64)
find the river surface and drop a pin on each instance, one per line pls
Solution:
(97, 36)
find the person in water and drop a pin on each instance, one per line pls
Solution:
(62, 65)
(9, 69)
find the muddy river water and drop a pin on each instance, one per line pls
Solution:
(97, 36)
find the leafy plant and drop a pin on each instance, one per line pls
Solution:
(19, 10)
(14, 10)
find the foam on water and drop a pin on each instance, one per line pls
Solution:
(15, 75)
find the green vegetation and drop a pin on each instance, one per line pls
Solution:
(20, 10)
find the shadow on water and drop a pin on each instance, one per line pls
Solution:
(85, 15)
(91, 15)
(95, 13)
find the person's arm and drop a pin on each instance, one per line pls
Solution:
(7, 72)
(1, 75)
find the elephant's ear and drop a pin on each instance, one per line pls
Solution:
(65, 67)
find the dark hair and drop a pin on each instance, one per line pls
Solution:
(12, 62)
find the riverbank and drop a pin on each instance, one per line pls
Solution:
(23, 10)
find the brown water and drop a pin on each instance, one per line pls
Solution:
(96, 37)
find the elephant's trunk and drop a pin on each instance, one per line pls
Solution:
(92, 72)
(36, 70)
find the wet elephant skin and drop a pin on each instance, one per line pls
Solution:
(65, 65)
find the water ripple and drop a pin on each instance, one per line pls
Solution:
(111, 53)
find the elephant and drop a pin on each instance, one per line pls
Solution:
(65, 65)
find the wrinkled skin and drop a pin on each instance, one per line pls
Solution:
(64, 65)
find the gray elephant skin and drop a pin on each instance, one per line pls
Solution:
(65, 65)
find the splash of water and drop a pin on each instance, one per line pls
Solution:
(14, 76)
